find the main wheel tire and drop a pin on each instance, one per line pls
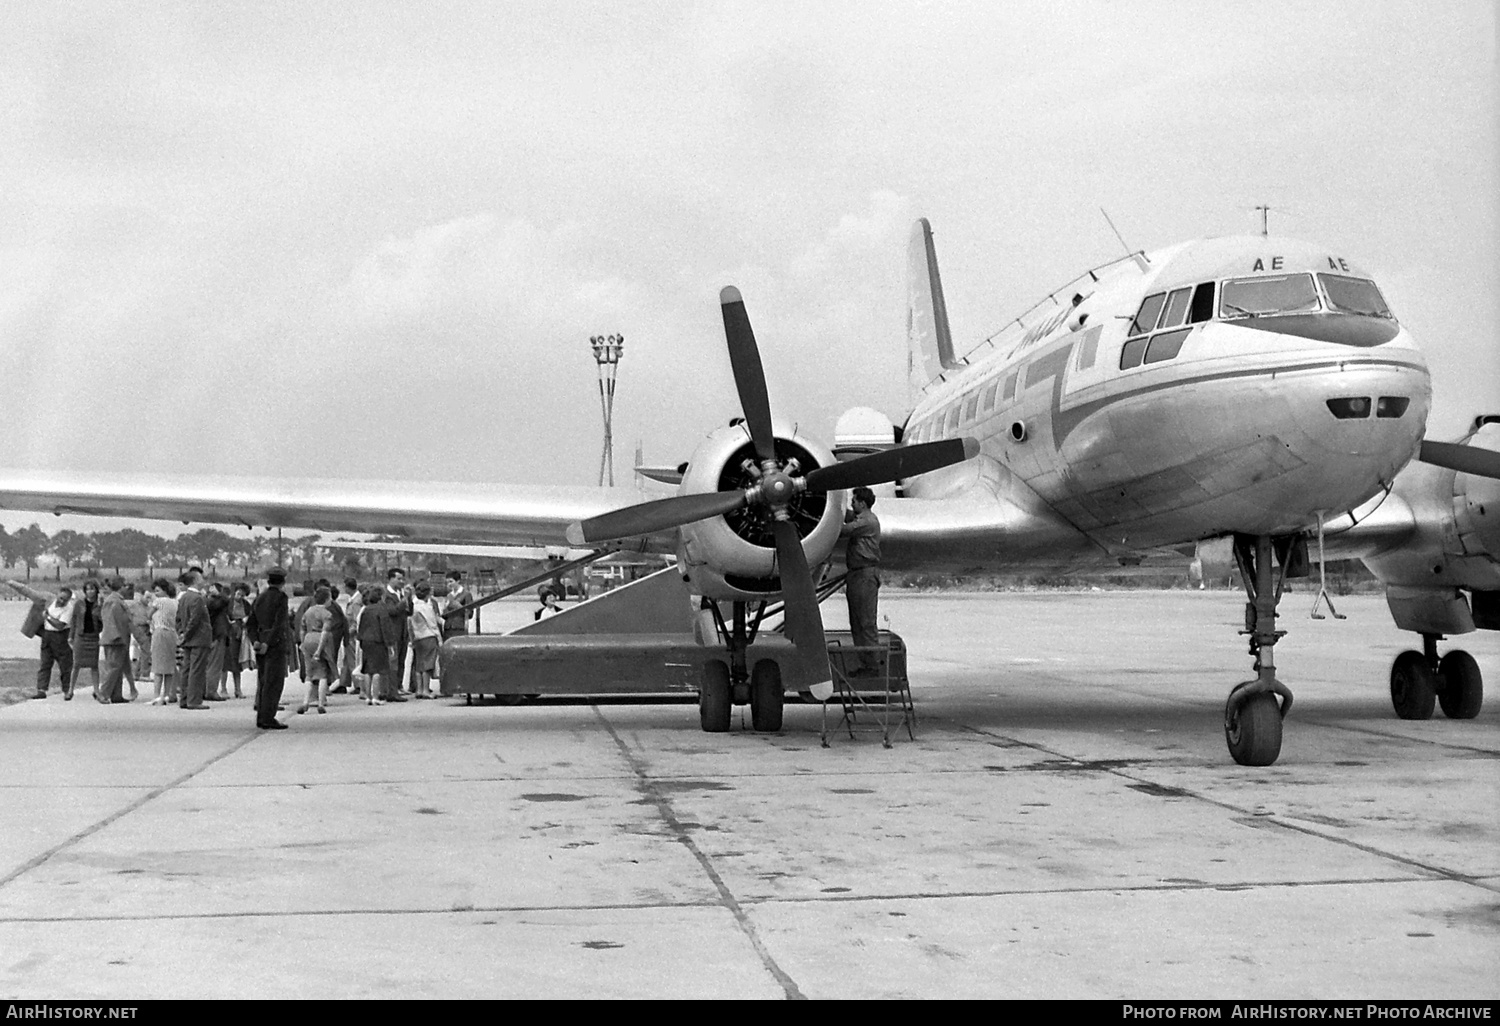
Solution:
(1461, 690)
(766, 696)
(1253, 731)
(1413, 686)
(714, 706)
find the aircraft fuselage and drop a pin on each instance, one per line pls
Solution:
(1228, 385)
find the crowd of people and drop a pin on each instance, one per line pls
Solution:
(191, 641)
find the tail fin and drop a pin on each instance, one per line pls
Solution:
(929, 346)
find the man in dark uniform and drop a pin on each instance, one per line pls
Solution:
(862, 584)
(396, 602)
(269, 627)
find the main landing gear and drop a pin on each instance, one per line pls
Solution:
(731, 683)
(1255, 709)
(1420, 680)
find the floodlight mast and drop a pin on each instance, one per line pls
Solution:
(607, 352)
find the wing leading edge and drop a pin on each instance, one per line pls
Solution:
(532, 515)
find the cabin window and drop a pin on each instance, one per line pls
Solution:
(1166, 345)
(1010, 386)
(989, 396)
(1265, 296)
(1133, 351)
(950, 427)
(971, 407)
(1203, 304)
(1353, 295)
(1391, 405)
(1145, 317)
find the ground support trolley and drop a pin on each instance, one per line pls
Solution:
(880, 702)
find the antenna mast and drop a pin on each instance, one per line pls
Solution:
(1139, 258)
(1264, 210)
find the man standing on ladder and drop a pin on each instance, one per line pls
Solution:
(862, 583)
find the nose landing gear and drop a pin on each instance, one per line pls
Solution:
(1253, 714)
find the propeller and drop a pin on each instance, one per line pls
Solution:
(1466, 459)
(777, 486)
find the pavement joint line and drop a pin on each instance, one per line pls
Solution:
(652, 793)
(155, 792)
(1479, 880)
(715, 903)
(1388, 736)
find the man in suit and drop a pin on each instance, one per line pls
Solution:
(114, 641)
(269, 627)
(218, 653)
(397, 605)
(196, 635)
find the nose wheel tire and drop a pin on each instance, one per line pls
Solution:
(1253, 730)
(1414, 686)
(1461, 687)
(714, 697)
(766, 696)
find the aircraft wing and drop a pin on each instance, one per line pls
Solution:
(529, 515)
(473, 551)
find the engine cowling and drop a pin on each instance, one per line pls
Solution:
(1476, 503)
(734, 556)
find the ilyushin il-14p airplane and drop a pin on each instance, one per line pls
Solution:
(1251, 388)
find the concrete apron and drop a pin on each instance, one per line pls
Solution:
(1067, 826)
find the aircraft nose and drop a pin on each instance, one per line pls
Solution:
(1361, 420)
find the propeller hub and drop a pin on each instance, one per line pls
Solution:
(778, 488)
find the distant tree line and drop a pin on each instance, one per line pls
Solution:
(133, 549)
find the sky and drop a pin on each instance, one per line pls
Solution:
(372, 240)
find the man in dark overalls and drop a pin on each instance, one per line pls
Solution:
(269, 626)
(862, 584)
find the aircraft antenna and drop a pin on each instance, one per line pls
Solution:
(1264, 225)
(1111, 223)
(1138, 257)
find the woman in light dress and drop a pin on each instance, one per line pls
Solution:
(164, 641)
(241, 653)
(315, 624)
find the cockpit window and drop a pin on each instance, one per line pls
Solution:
(1354, 295)
(1264, 296)
(1177, 304)
(1145, 317)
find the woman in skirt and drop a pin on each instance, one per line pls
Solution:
(314, 629)
(164, 641)
(88, 621)
(375, 645)
(241, 652)
(426, 628)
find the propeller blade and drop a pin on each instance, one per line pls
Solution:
(649, 517)
(749, 375)
(804, 623)
(1466, 459)
(892, 465)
